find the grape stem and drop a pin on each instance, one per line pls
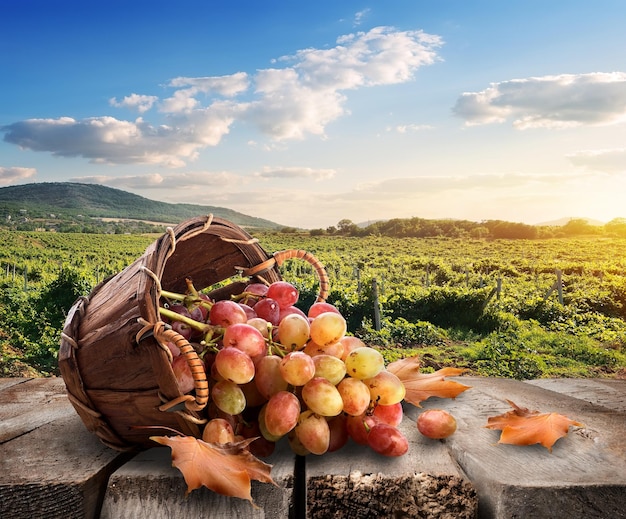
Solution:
(196, 325)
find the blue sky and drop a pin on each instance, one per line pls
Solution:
(306, 113)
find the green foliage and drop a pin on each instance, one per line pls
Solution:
(432, 295)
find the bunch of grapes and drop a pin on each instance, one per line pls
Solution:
(276, 371)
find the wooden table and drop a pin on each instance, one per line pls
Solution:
(51, 466)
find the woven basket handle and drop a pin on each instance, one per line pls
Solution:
(279, 257)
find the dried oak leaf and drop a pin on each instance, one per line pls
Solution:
(421, 386)
(523, 427)
(224, 468)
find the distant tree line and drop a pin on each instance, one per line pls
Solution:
(488, 229)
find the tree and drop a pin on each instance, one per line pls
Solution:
(346, 226)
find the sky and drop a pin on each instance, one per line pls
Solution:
(308, 113)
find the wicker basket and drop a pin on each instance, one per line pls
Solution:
(113, 357)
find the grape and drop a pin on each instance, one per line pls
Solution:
(329, 367)
(254, 398)
(218, 430)
(387, 440)
(284, 312)
(364, 362)
(263, 427)
(260, 447)
(358, 427)
(436, 424)
(183, 375)
(250, 313)
(234, 365)
(253, 293)
(293, 331)
(226, 312)
(260, 324)
(350, 343)
(313, 432)
(335, 349)
(179, 327)
(390, 414)
(328, 327)
(228, 397)
(297, 368)
(320, 307)
(269, 310)
(284, 293)
(386, 388)
(268, 378)
(322, 397)
(281, 413)
(296, 444)
(338, 432)
(246, 338)
(355, 396)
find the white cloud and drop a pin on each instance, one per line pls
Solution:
(9, 175)
(296, 172)
(141, 103)
(605, 160)
(287, 103)
(358, 17)
(190, 181)
(409, 128)
(558, 101)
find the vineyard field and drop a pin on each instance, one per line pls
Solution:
(512, 308)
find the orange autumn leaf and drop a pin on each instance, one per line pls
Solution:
(523, 427)
(421, 386)
(224, 468)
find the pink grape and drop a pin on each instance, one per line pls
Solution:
(329, 367)
(436, 424)
(386, 388)
(322, 397)
(235, 365)
(338, 432)
(250, 313)
(246, 338)
(335, 349)
(320, 307)
(218, 430)
(183, 375)
(284, 312)
(355, 396)
(268, 378)
(253, 293)
(327, 328)
(293, 331)
(226, 312)
(260, 324)
(269, 310)
(390, 414)
(350, 343)
(359, 426)
(297, 368)
(284, 293)
(387, 440)
(313, 432)
(281, 413)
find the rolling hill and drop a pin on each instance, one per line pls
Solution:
(69, 200)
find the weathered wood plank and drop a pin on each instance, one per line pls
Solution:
(609, 393)
(50, 467)
(583, 476)
(28, 404)
(148, 487)
(357, 483)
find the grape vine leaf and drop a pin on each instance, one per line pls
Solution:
(421, 386)
(223, 468)
(524, 427)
